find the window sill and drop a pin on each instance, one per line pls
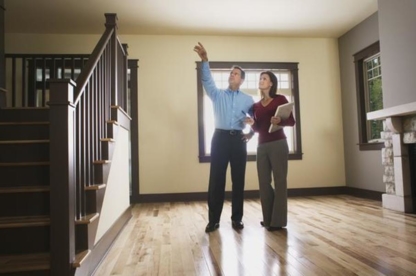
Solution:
(371, 146)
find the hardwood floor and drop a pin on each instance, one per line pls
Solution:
(326, 235)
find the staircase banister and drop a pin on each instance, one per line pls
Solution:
(91, 63)
(124, 47)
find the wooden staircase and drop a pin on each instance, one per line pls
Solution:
(24, 191)
(55, 162)
(25, 194)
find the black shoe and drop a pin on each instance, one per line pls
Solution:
(237, 224)
(262, 223)
(273, 228)
(211, 227)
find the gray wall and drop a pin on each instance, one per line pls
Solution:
(397, 23)
(393, 25)
(363, 169)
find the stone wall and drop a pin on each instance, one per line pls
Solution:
(408, 137)
(409, 129)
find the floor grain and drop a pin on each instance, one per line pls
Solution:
(325, 235)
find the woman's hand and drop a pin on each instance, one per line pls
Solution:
(275, 120)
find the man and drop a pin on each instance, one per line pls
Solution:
(228, 143)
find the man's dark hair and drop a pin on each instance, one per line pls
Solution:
(243, 74)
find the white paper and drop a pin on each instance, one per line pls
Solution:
(283, 111)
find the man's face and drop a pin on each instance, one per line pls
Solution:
(235, 78)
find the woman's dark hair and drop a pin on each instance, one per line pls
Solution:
(273, 79)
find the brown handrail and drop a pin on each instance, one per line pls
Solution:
(86, 73)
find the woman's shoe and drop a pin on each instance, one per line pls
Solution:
(273, 228)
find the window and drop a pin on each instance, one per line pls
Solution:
(369, 96)
(286, 73)
(374, 96)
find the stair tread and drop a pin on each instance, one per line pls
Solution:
(95, 187)
(25, 108)
(108, 140)
(25, 164)
(24, 189)
(24, 141)
(87, 219)
(80, 257)
(101, 162)
(23, 123)
(28, 262)
(113, 122)
(12, 222)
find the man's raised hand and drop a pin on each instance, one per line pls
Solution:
(200, 50)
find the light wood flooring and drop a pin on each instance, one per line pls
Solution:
(326, 235)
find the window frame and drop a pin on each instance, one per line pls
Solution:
(291, 66)
(359, 59)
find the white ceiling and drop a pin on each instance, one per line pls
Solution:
(300, 18)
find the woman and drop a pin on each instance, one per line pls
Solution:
(272, 153)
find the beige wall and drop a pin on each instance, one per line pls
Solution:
(168, 131)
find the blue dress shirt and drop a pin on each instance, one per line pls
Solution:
(228, 105)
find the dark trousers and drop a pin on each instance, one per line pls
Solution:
(226, 147)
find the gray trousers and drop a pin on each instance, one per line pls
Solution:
(272, 159)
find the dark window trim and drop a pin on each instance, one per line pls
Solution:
(133, 65)
(371, 146)
(360, 90)
(291, 66)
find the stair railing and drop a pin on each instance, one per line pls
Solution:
(27, 76)
(79, 114)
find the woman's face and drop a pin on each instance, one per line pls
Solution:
(265, 82)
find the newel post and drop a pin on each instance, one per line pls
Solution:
(2, 58)
(62, 176)
(2, 46)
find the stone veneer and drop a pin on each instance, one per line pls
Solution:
(399, 129)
